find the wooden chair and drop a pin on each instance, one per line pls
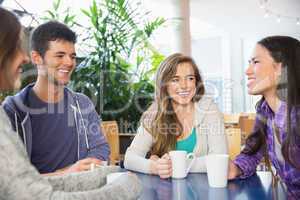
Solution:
(111, 132)
(234, 141)
(252, 115)
(231, 120)
(246, 125)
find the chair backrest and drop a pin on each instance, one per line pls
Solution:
(246, 124)
(251, 115)
(231, 120)
(234, 141)
(111, 132)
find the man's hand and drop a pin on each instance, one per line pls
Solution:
(83, 165)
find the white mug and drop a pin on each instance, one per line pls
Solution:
(113, 176)
(217, 169)
(181, 163)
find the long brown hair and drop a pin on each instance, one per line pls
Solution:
(10, 40)
(160, 119)
(284, 50)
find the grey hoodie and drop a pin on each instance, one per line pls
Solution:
(19, 180)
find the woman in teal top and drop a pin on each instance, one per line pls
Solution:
(181, 117)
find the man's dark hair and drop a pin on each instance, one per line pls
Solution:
(50, 31)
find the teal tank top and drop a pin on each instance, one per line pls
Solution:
(187, 144)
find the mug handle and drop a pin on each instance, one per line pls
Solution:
(192, 157)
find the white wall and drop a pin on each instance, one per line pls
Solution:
(207, 52)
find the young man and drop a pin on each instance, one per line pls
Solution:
(60, 128)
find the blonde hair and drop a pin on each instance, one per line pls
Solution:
(160, 120)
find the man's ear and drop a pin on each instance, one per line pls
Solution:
(36, 58)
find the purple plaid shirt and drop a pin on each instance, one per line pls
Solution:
(287, 173)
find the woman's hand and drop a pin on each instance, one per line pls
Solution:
(233, 170)
(161, 166)
(154, 157)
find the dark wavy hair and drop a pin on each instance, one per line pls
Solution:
(284, 50)
(50, 31)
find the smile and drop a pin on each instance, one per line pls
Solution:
(64, 71)
(183, 94)
(20, 69)
(250, 81)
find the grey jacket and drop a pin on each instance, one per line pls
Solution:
(211, 139)
(91, 142)
(19, 180)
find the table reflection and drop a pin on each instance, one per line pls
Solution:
(195, 186)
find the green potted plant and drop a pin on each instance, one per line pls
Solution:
(117, 72)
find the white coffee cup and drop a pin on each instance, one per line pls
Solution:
(113, 176)
(181, 163)
(217, 169)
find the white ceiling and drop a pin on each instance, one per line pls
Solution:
(245, 18)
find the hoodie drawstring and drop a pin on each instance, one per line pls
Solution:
(85, 130)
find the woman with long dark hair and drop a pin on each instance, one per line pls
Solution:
(274, 73)
(181, 117)
(19, 179)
